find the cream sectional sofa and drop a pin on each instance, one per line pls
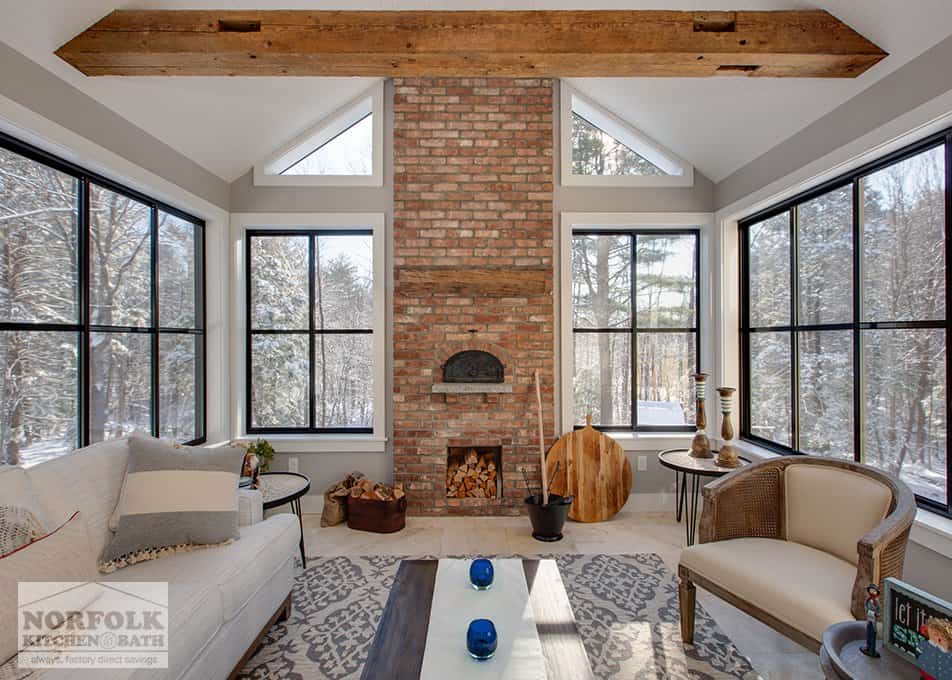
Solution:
(220, 599)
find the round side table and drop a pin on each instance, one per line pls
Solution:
(841, 659)
(278, 488)
(684, 465)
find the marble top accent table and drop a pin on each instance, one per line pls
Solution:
(278, 488)
(684, 465)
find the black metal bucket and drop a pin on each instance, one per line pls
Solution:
(548, 520)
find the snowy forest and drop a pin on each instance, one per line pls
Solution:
(903, 370)
(343, 301)
(594, 152)
(665, 300)
(40, 284)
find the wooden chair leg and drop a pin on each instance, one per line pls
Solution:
(687, 596)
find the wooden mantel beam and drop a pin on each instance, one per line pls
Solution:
(786, 44)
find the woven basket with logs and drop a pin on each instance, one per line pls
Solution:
(475, 476)
(376, 507)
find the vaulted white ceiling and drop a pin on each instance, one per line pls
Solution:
(228, 124)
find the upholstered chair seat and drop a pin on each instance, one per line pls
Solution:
(794, 542)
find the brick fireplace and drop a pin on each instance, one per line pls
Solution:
(473, 269)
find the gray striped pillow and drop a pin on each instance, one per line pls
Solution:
(173, 499)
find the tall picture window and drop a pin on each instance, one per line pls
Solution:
(310, 357)
(635, 328)
(102, 319)
(845, 326)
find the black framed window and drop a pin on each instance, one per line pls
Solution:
(309, 344)
(102, 316)
(844, 323)
(635, 305)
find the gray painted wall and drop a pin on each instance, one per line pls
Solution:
(906, 88)
(34, 87)
(30, 85)
(909, 87)
(325, 468)
(928, 570)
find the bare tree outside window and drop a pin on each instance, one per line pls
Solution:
(867, 344)
(46, 337)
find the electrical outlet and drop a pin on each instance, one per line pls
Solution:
(642, 463)
(292, 464)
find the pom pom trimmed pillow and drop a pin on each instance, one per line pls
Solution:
(172, 500)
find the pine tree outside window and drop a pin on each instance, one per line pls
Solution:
(635, 328)
(600, 148)
(310, 353)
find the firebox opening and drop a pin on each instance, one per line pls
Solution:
(473, 471)
(473, 366)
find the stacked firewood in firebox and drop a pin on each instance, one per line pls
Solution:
(472, 477)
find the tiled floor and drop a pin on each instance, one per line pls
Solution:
(774, 656)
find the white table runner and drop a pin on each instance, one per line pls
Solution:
(506, 604)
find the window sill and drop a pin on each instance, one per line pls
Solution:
(317, 443)
(651, 441)
(930, 530)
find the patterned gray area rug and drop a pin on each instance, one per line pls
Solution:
(626, 607)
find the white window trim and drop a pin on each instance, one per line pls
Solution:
(570, 222)
(292, 443)
(624, 132)
(370, 101)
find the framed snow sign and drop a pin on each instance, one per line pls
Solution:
(918, 627)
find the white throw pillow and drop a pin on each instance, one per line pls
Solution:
(18, 526)
(16, 489)
(173, 499)
(61, 555)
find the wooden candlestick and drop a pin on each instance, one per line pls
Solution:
(701, 445)
(727, 456)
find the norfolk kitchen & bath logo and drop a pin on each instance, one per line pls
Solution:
(93, 625)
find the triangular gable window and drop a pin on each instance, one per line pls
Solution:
(350, 152)
(342, 149)
(599, 148)
(595, 152)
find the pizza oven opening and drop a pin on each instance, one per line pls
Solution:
(473, 366)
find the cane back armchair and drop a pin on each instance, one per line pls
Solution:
(794, 541)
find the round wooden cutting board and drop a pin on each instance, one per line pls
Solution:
(594, 469)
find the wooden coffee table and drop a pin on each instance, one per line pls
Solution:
(397, 651)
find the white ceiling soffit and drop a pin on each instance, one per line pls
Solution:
(720, 124)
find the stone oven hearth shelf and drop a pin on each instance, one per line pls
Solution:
(471, 388)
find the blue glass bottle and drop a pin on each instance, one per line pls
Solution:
(481, 639)
(481, 574)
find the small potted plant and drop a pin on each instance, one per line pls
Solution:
(258, 457)
(547, 512)
(265, 453)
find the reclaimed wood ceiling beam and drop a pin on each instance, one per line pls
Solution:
(786, 44)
